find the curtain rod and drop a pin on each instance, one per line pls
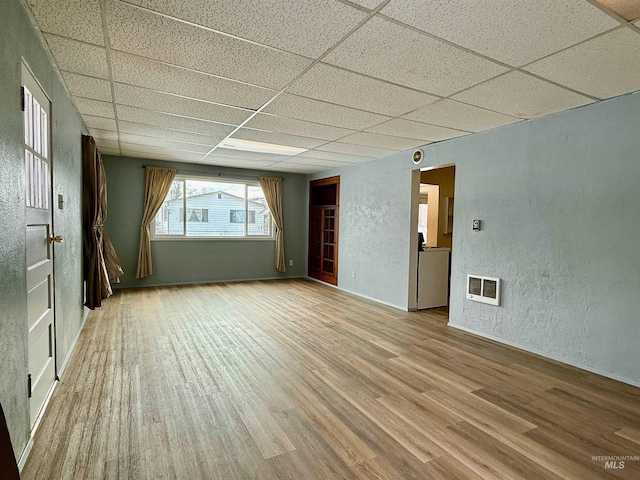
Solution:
(209, 174)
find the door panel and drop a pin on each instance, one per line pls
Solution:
(39, 250)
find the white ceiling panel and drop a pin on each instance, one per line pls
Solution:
(99, 134)
(420, 131)
(168, 103)
(164, 143)
(167, 155)
(332, 84)
(114, 152)
(515, 33)
(77, 57)
(236, 162)
(164, 133)
(370, 4)
(77, 19)
(452, 114)
(604, 67)
(302, 108)
(231, 153)
(99, 122)
(277, 138)
(315, 162)
(94, 107)
(382, 141)
(133, 114)
(109, 144)
(158, 76)
(337, 157)
(296, 127)
(150, 35)
(521, 95)
(305, 27)
(293, 168)
(162, 150)
(338, 147)
(400, 55)
(88, 87)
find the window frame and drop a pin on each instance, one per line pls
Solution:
(184, 238)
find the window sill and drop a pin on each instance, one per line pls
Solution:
(213, 239)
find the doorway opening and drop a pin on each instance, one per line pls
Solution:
(324, 209)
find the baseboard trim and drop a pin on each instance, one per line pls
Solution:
(404, 309)
(546, 355)
(73, 343)
(25, 454)
(204, 282)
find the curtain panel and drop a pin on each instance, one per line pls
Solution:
(272, 189)
(101, 263)
(156, 187)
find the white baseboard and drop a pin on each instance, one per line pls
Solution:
(202, 282)
(546, 355)
(404, 309)
(73, 343)
(25, 454)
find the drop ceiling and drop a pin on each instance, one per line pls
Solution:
(348, 81)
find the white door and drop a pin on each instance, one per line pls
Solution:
(39, 240)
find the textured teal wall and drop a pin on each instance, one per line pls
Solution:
(194, 261)
(19, 39)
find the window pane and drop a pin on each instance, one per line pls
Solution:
(210, 207)
(169, 220)
(259, 215)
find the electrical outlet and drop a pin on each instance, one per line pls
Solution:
(353, 274)
(291, 263)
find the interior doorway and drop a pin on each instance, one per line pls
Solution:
(434, 219)
(324, 214)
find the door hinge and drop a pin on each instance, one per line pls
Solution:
(22, 98)
(29, 384)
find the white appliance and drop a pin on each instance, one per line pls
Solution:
(433, 277)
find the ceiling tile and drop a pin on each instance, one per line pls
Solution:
(150, 35)
(603, 67)
(163, 133)
(87, 87)
(277, 138)
(167, 103)
(627, 9)
(94, 107)
(188, 147)
(334, 85)
(231, 153)
(522, 95)
(293, 168)
(400, 55)
(99, 122)
(452, 114)
(77, 19)
(338, 157)
(167, 155)
(133, 114)
(296, 127)
(236, 162)
(420, 131)
(164, 143)
(370, 4)
(382, 141)
(338, 147)
(99, 134)
(305, 27)
(158, 76)
(515, 33)
(110, 144)
(109, 151)
(77, 57)
(302, 108)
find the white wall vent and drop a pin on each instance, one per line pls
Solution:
(483, 289)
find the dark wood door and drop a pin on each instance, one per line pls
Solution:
(323, 230)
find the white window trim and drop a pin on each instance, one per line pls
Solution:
(246, 238)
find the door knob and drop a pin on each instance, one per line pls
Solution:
(56, 239)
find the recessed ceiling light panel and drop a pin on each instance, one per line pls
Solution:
(260, 147)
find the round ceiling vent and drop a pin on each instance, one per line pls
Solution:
(417, 156)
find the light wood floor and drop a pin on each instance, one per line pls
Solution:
(295, 380)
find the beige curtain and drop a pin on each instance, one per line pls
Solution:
(272, 188)
(101, 264)
(156, 186)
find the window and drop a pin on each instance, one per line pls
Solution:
(201, 208)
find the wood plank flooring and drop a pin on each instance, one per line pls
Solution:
(294, 380)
